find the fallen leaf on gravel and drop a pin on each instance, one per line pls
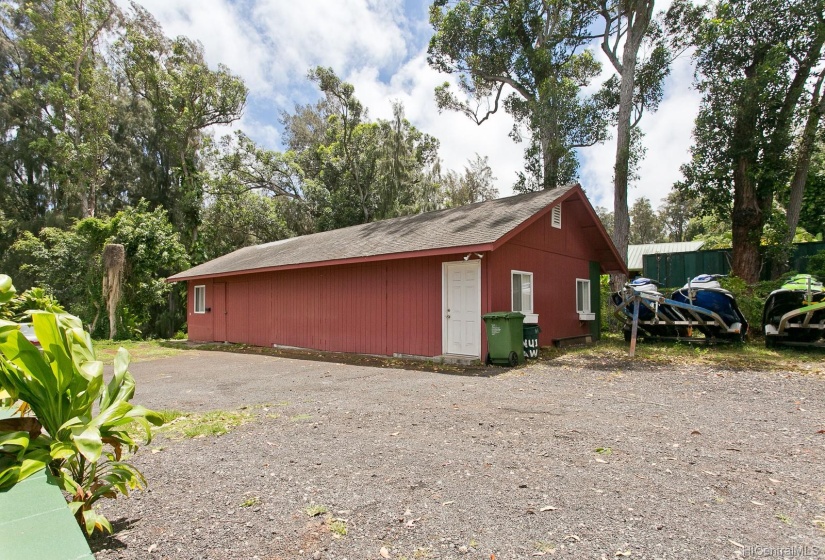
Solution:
(696, 433)
(820, 431)
(572, 538)
(548, 508)
(754, 502)
(734, 543)
(384, 552)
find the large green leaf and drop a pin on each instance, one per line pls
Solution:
(14, 442)
(88, 442)
(52, 341)
(23, 354)
(14, 470)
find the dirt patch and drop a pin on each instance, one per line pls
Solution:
(434, 365)
(566, 458)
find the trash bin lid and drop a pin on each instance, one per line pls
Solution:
(503, 315)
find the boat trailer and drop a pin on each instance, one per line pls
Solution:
(672, 320)
(780, 334)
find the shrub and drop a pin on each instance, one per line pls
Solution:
(80, 426)
(816, 265)
(750, 298)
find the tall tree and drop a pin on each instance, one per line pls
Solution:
(811, 216)
(606, 217)
(170, 79)
(645, 225)
(530, 58)
(476, 184)
(676, 214)
(61, 100)
(804, 155)
(754, 58)
(627, 23)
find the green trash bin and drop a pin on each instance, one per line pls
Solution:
(531, 341)
(505, 340)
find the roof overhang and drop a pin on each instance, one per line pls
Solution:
(357, 260)
(611, 262)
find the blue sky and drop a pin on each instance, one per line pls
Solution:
(380, 47)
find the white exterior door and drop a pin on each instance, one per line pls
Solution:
(462, 308)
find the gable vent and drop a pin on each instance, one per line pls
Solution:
(555, 217)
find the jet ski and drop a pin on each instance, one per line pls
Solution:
(795, 313)
(706, 293)
(655, 318)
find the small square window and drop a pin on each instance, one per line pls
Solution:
(583, 296)
(200, 299)
(522, 283)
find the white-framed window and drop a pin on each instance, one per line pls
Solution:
(555, 217)
(200, 299)
(522, 284)
(583, 296)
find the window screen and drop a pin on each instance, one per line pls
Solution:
(523, 292)
(583, 296)
(200, 299)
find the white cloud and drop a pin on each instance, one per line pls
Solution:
(343, 34)
(667, 140)
(376, 46)
(227, 35)
(413, 84)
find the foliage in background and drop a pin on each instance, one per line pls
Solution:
(67, 264)
(647, 226)
(816, 265)
(754, 60)
(609, 322)
(750, 298)
(536, 51)
(812, 217)
(80, 425)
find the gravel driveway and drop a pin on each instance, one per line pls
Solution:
(563, 459)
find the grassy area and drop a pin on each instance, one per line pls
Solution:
(140, 351)
(192, 425)
(749, 356)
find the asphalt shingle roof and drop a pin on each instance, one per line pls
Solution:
(474, 224)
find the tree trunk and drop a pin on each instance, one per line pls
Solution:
(803, 159)
(550, 163)
(638, 17)
(621, 169)
(747, 222)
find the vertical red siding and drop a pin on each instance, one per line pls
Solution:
(556, 257)
(199, 325)
(395, 307)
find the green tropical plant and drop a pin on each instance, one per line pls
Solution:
(81, 424)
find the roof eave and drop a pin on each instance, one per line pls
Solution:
(477, 248)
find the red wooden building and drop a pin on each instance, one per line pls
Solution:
(415, 285)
